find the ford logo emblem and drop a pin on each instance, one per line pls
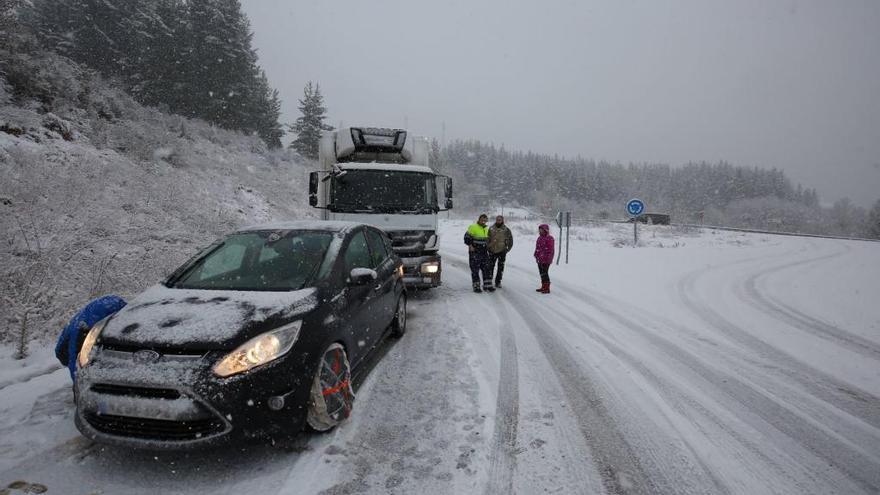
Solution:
(145, 356)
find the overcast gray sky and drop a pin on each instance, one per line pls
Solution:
(791, 84)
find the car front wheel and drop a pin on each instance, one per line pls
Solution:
(398, 324)
(331, 395)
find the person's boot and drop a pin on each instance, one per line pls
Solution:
(541, 288)
(497, 284)
(477, 288)
(489, 288)
(545, 288)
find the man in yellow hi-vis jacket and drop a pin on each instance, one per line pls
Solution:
(477, 240)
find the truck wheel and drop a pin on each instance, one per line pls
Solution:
(398, 324)
(331, 395)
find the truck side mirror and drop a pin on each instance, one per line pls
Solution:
(313, 189)
(448, 193)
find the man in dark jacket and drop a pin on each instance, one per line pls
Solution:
(477, 239)
(71, 339)
(500, 243)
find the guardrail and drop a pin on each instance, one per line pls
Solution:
(575, 220)
(718, 227)
(773, 232)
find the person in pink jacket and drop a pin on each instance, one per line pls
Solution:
(544, 249)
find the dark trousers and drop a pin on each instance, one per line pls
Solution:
(479, 261)
(498, 258)
(544, 270)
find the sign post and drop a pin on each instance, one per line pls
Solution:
(634, 208)
(567, 234)
(563, 219)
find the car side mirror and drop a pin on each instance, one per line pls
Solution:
(362, 276)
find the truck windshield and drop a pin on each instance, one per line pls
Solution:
(383, 191)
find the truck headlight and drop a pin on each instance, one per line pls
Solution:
(430, 267)
(259, 350)
(85, 352)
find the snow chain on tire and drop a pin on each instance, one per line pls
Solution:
(331, 395)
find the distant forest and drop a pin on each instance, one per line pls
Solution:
(714, 193)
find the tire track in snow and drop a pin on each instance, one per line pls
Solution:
(824, 445)
(844, 396)
(677, 398)
(503, 454)
(618, 465)
(821, 443)
(802, 321)
(506, 413)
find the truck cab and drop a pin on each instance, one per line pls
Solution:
(382, 177)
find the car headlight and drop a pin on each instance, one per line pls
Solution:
(430, 267)
(259, 350)
(85, 352)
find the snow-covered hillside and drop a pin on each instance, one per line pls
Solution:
(99, 194)
(700, 362)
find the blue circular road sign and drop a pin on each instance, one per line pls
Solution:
(635, 207)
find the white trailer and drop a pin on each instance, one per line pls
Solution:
(383, 177)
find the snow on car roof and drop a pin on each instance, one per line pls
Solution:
(386, 166)
(327, 225)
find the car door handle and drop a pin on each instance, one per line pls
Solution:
(378, 287)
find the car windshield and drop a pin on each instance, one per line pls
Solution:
(383, 191)
(261, 260)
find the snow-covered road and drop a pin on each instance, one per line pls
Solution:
(698, 363)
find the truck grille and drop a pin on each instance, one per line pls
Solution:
(154, 429)
(409, 242)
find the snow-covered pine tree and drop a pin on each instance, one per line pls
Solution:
(190, 57)
(223, 69)
(161, 76)
(309, 125)
(107, 36)
(268, 106)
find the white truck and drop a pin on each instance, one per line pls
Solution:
(382, 177)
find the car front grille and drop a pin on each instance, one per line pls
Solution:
(167, 352)
(128, 390)
(154, 429)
